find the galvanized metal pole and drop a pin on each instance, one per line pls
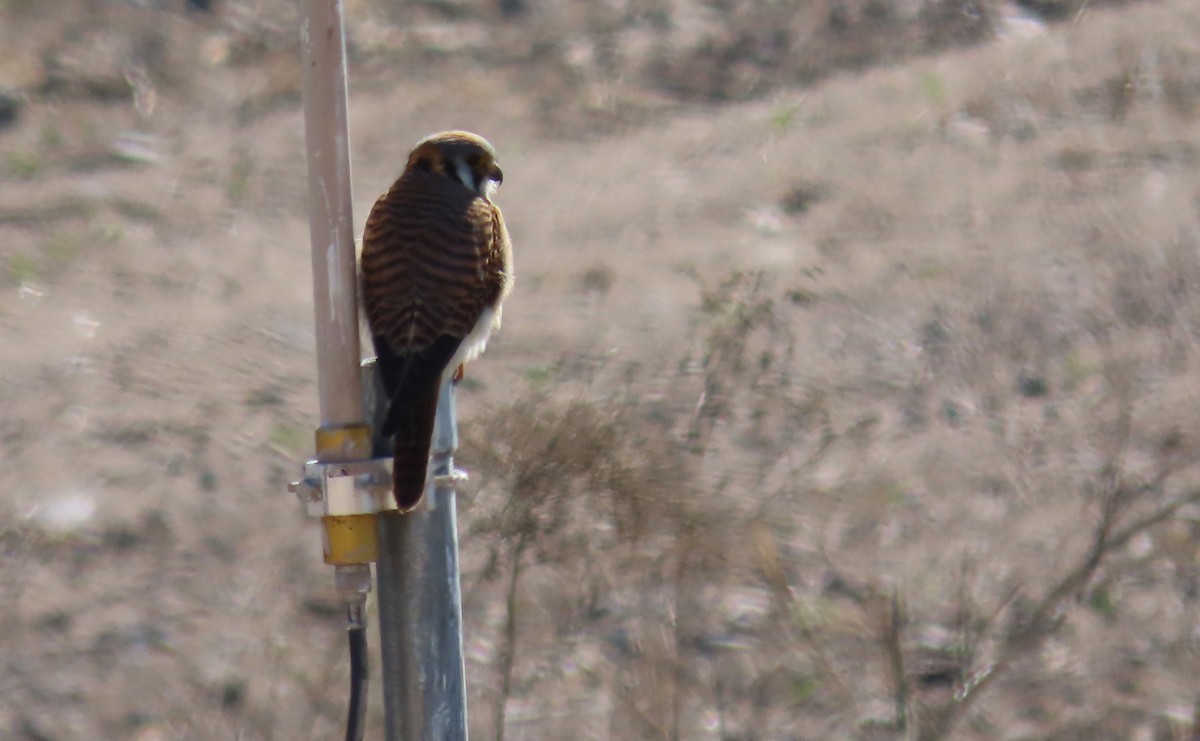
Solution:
(419, 599)
(420, 604)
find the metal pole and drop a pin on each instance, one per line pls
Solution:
(420, 604)
(419, 599)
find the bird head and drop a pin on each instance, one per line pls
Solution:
(461, 156)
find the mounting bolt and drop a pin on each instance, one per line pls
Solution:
(305, 491)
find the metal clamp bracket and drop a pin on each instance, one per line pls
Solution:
(339, 489)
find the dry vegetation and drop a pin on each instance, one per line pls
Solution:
(848, 390)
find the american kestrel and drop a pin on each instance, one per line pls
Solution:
(436, 264)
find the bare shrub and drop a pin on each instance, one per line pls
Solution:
(732, 596)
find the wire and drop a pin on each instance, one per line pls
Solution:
(356, 629)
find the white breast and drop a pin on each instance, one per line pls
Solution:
(476, 340)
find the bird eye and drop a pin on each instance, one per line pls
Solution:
(473, 160)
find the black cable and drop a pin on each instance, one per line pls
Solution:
(356, 718)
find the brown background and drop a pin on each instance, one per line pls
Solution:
(838, 327)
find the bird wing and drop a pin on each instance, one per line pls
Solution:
(434, 257)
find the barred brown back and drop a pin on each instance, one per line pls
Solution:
(435, 256)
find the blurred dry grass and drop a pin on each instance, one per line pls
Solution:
(861, 409)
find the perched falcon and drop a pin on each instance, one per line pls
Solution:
(436, 264)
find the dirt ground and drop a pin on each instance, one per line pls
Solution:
(846, 391)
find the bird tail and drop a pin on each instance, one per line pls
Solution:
(414, 434)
